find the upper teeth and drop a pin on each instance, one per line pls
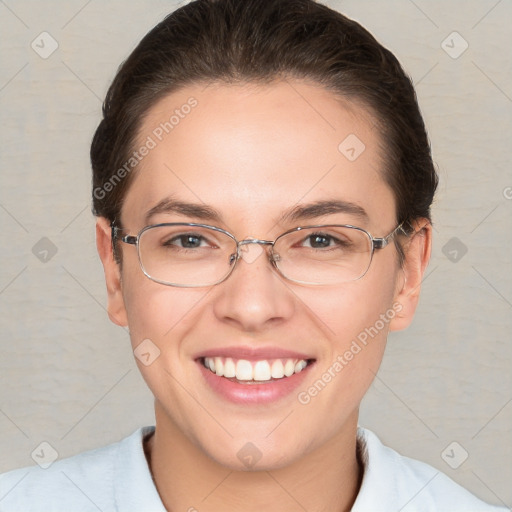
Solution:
(242, 369)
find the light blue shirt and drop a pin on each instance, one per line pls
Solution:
(117, 478)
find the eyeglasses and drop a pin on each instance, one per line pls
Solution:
(194, 255)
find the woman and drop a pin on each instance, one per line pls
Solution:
(262, 180)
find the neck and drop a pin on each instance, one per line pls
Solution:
(327, 479)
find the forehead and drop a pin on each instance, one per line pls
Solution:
(253, 151)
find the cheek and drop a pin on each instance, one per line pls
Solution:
(345, 312)
(159, 319)
(158, 312)
(355, 321)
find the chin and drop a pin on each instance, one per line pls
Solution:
(249, 458)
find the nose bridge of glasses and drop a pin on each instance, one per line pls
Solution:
(254, 241)
(251, 242)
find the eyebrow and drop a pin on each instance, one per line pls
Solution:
(296, 213)
(325, 207)
(199, 211)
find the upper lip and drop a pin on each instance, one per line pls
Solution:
(252, 353)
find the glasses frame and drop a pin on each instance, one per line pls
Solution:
(377, 243)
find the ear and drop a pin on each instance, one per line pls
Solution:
(417, 251)
(115, 306)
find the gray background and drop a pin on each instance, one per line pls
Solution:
(67, 375)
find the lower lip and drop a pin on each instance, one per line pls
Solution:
(253, 393)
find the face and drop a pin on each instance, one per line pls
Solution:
(250, 155)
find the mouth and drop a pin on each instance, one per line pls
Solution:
(251, 377)
(244, 371)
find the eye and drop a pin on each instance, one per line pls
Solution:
(321, 241)
(187, 241)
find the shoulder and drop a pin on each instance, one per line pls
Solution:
(394, 482)
(81, 480)
(86, 482)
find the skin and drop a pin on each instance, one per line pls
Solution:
(251, 153)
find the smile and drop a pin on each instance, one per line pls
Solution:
(246, 375)
(260, 371)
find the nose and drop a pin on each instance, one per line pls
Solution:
(254, 297)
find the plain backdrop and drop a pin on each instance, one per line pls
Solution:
(67, 375)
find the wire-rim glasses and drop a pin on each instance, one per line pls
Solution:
(193, 255)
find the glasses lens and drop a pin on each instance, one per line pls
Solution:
(184, 255)
(324, 255)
